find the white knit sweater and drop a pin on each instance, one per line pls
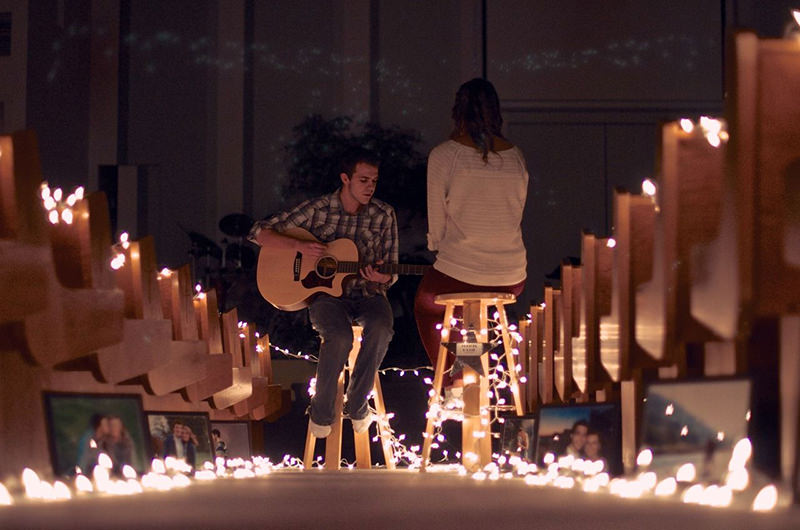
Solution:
(474, 213)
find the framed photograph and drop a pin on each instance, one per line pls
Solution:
(696, 422)
(81, 426)
(185, 435)
(591, 431)
(519, 437)
(231, 439)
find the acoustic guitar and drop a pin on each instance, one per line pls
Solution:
(287, 279)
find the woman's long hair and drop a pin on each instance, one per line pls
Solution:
(476, 112)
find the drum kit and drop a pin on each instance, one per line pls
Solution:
(223, 265)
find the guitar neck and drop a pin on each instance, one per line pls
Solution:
(386, 268)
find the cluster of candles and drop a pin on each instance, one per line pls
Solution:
(714, 130)
(567, 472)
(58, 206)
(164, 475)
(559, 472)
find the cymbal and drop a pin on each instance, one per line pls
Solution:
(203, 246)
(235, 224)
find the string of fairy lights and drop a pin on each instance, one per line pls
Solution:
(738, 488)
(498, 377)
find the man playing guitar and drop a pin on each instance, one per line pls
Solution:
(353, 213)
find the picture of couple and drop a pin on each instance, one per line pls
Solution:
(81, 427)
(185, 436)
(590, 432)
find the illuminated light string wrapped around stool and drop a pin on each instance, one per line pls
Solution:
(500, 384)
(476, 422)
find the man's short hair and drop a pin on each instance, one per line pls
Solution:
(352, 157)
(579, 423)
(177, 422)
(216, 432)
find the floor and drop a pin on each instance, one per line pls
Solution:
(382, 499)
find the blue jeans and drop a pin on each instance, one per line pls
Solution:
(333, 319)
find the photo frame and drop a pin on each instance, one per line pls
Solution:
(82, 425)
(697, 422)
(519, 437)
(591, 431)
(194, 445)
(235, 438)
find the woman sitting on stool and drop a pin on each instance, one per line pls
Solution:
(477, 186)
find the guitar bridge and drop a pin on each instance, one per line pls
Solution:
(298, 260)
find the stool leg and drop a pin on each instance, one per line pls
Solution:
(485, 442)
(361, 441)
(508, 346)
(438, 377)
(471, 429)
(476, 445)
(478, 426)
(308, 454)
(333, 443)
(380, 407)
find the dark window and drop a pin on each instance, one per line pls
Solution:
(5, 33)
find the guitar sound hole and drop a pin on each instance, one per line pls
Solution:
(326, 267)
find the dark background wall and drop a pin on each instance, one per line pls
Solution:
(205, 94)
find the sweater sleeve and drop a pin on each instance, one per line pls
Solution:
(439, 166)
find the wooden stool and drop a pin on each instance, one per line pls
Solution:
(333, 444)
(476, 442)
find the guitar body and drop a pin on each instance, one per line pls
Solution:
(287, 278)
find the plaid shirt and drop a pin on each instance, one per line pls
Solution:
(373, 229)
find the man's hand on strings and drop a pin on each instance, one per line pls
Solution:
(373, 274)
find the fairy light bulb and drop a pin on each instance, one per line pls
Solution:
(83, 484)
(645, 458)
(30, 480)
(103, 460)
(5, 496)
(766, 499)
(57, 193)
(611, 243)
(796, 16)
(158, 466)
(686, 473)
(666, 487)
(79, 193)
(61, 491)
(649, 188)
(687, 125)
(737, 479)
(53, 217)
(66, 215)
(128, 472)
(693, 494)
(741, 454)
